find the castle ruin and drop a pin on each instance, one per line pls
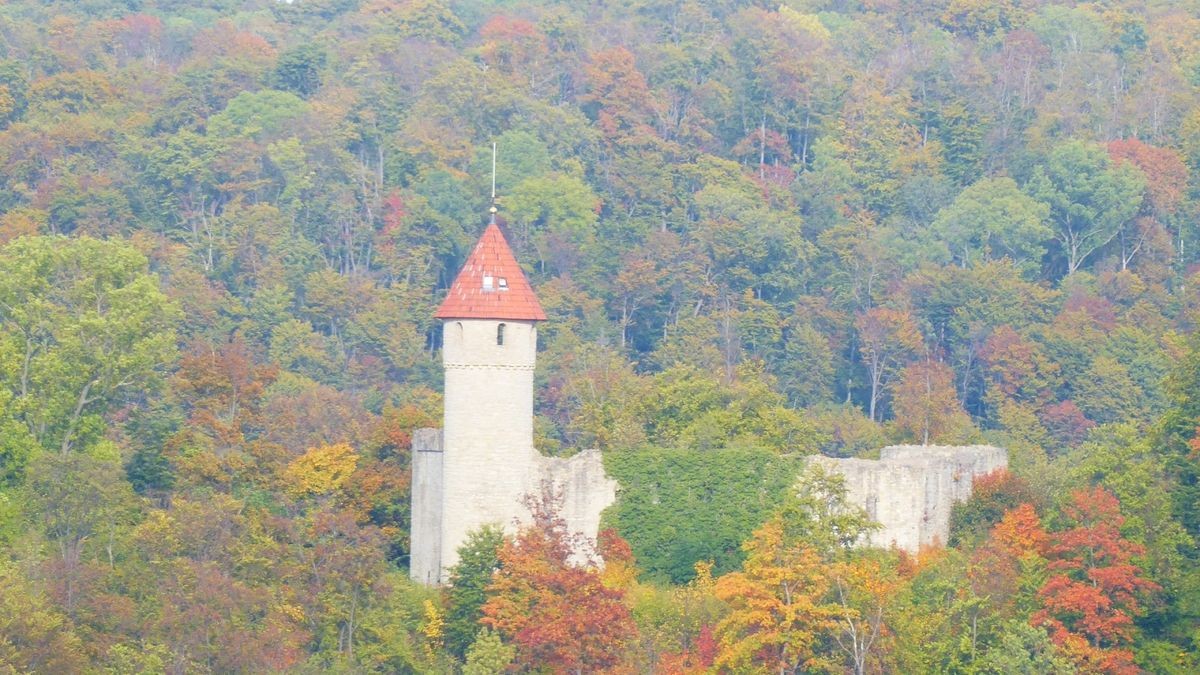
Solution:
(477, 469)
(911, 489)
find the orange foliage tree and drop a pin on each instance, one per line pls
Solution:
(549, 600)
(886, 337)
(1089, 602)
(926, 404)
(778, 609)
(864, 587)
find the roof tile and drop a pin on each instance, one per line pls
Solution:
(491, 285)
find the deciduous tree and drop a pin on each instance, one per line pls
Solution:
(1090, 199)
(83, 324)
(1095, 590)
(549, 600)
(467, 591)
(926, 407)
(886, 337)
(778, 606)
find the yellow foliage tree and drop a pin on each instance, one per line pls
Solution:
(434, 629)
(777, 605)
(321, 470)
(863, 588)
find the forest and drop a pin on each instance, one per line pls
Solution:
(761, 230)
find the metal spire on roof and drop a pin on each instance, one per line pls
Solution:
(493, 209)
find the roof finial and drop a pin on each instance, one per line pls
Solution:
(493, 209)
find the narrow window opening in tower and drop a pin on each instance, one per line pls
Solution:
(500, 334)
(503, 283)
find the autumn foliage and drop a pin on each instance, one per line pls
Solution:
(760, 230)
(1095, 590)
(778, 606)
(549, 600)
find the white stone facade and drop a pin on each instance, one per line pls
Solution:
(484, 463)
(911, 489)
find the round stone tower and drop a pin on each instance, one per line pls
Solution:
(489, 345)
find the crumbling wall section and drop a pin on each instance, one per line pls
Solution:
(585, 487)
(425, 534)
(911, 489)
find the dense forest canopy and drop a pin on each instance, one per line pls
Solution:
(760, 230)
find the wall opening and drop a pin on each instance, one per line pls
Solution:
(500, 334)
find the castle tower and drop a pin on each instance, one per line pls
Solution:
(478, 467)
(489, 344)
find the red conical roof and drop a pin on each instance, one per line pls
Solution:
(491, 285)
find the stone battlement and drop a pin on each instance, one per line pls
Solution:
(911, 489)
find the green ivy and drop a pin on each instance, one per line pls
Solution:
(678, 507)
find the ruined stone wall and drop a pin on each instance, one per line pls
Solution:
(911, 489)
(425, 535)
(585, 487)
(479, 467)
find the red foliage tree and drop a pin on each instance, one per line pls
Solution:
(1066, 422)
(1166, 174)
(698, 659)
(1000, 565)
(223, 386)
(619, 93)
(993, 496)
(549, 601)
(1089, 602)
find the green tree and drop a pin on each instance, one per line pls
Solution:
(78, 498)
(488, 655)
(84, 325)
(1023, 650)
(992, 219)
(1090, 199)
(1176, 437)
(259, 115)
(557, 215)
(469, 580)
(14, 91)
(806, 366)
(1107, 393)
(299, 69)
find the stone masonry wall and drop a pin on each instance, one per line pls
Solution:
(580, 479)
(911, 489)
(425, 561)
(586, 489)
(487, 430)
(479, 467)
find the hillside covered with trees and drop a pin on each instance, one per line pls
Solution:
(761, 230)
